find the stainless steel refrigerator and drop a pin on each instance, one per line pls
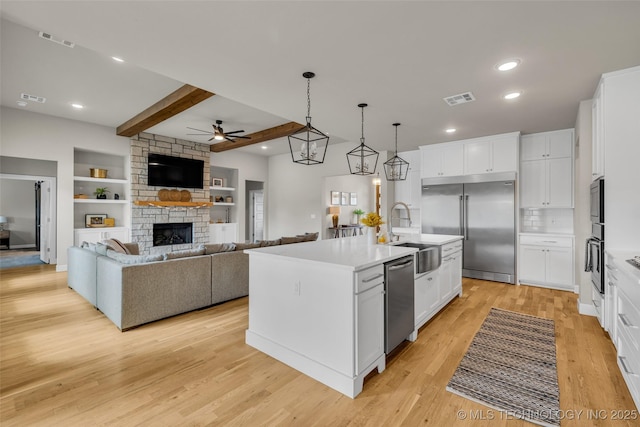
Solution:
(482, 209)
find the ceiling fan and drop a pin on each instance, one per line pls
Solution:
(219, 134)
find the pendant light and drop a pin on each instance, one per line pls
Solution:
(363, 160)
(311, 143)
(396, 168)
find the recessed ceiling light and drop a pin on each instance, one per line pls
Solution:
(115, 58)
(450, 130)
(77, 106)
(21, 103)
(512, 95)
(508, 65)
(264, 147)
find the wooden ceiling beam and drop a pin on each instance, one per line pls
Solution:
(182, 99)
(258, 137)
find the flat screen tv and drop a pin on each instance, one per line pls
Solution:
(169, 171)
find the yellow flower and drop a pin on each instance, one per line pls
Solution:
(372, 219)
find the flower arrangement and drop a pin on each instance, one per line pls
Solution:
(372, 219)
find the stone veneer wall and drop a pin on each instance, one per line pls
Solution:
(143, 217)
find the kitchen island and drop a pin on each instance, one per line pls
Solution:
(319, 307)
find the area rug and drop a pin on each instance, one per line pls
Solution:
(20, 261)
(510, 366)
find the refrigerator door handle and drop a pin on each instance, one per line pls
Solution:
(460, 230)
(466, 217)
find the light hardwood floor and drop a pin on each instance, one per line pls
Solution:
(64, 364)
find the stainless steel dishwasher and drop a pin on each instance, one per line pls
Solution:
(399, 318)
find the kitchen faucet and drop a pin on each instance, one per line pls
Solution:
(391, 235)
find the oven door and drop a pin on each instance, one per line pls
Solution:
(596, 249)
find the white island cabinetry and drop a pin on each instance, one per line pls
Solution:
(319, 307)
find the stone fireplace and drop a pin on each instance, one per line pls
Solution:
(172, 234)
(144, 218)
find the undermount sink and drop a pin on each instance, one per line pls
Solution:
(428, 257)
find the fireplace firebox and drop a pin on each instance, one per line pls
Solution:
(172, 233)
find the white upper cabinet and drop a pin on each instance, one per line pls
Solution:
(441, 160)
(547, 145)
(546, 170)
(491, 154)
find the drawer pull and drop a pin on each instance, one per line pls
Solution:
(625, 321)
(624, 366)
(372, 278)
(550, 241)
(610, 267)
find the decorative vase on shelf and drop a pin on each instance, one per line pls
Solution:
(372, 237)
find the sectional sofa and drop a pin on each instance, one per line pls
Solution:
(132, 289)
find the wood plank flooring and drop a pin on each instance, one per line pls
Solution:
(62, 363)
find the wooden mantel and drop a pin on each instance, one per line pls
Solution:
(161, 204)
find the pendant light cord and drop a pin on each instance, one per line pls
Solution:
(362, 137)
(308, 100)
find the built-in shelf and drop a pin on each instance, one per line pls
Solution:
(98, 180)
(158, 203)
(222, 204)
(104, 201)
(222, 188)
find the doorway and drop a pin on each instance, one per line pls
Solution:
(255, 218)
(29, 203)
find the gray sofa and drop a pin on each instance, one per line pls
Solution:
(132, 289)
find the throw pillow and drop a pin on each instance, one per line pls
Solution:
(265, 243)
(132, 259)
(215, 248)
(309, 237)
(116, 245)
(185, 253)
(289, 240)
(243, 246)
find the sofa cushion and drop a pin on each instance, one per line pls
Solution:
(215, 248)
(243, 246)
(133, 259)
(116, 245)
(185, 253)
(289, 240)
(98, 248)
(265, 243)
(309, 237)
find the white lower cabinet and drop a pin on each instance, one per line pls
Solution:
(223, 233)
(427, 299)
(546, 260)
(370, 339)
(437, 288)
(95, 235)
(627, 318)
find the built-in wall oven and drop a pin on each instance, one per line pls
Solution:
(594, 251)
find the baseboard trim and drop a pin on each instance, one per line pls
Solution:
(61, 267)
(587, 309)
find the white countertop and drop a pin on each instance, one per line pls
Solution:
(430, 239)
(528, 233)
(352, 253)
(621, 257)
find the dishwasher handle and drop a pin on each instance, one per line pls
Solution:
(393, 267)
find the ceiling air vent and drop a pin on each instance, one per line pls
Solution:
(459, 99)
(33, 98)
(51, 38)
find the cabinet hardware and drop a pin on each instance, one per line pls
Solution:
(624, 366)
(372, 278)
(625, 321)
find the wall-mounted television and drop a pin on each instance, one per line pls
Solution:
(169, 171)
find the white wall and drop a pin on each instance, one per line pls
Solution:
(17, 203)
(581, 217)
(361, 185)
(296, 196)
(250, 168)
(36, 136)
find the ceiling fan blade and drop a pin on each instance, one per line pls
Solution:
(234, 131)
(199, 130)
(211, 139)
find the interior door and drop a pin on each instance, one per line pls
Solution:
(489, 243)
(45, 221)
(257, 215)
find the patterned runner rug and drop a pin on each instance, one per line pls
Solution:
(510, 366)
